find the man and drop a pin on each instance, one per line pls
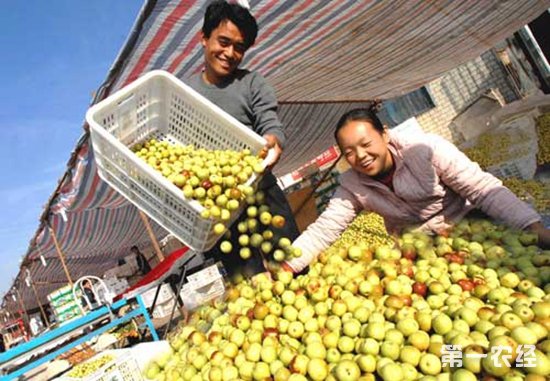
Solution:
(143, 265)
(88, 298)
(228, 31)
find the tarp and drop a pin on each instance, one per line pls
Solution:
(322, 57)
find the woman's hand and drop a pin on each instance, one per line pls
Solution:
(274, 267)
(257, 279)
(543, 234)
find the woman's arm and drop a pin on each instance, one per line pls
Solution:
(340, 211)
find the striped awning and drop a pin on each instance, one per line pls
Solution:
(91, 241)
(322, 57)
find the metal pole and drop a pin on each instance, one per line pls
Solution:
(156, 245)
(24, 315)
(39, 305)
(61, 256)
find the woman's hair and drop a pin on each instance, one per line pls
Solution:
(361, 114)
(221, 10)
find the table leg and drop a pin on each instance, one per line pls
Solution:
(147, 318)
(180, 284)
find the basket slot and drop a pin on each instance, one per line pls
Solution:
(187, 125)
(136, 119)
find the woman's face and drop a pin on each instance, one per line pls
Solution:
(365, 148)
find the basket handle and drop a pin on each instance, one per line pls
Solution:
(127, 118)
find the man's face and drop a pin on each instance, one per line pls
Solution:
(365, 148)
(223, 51)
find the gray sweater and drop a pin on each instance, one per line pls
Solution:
(248, 98)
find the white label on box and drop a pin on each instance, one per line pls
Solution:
(193, 297)
(165, 294)
(204, 277)
(164, 309)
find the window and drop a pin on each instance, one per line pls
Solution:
(399, 109)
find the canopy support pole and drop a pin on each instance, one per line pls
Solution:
(22, 306)
(61, 256)
(156, 245)
(39, 304)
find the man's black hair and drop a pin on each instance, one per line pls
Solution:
(220, 10)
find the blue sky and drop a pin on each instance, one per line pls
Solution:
(56, 53)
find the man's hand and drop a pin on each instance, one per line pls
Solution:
(543, 234)
(276, 151)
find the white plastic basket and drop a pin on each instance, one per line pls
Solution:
(160, 106)
(123, 368)
(146, 352)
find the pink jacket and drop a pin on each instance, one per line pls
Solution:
(434, 184)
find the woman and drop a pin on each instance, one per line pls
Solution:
(421, 180)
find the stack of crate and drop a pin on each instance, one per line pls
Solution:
(63, 304)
